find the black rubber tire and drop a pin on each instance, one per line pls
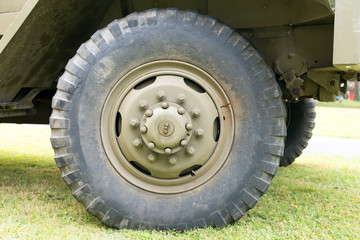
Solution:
(301, 122)
(170, 34)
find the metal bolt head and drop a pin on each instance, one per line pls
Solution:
(195, 112)
(137, 142)
(181, 98)
(149, 113)
(173, 160)
(143, 104)
(151, 145)
(168, 151)
(143, 129)
(189, 126)
(199, 132)
(134, 122)
(152, 157)
(183, 143)
(190, 150)
(164, 105)
(181, 110)
(160, 95)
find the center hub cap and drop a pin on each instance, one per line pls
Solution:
(166, 127)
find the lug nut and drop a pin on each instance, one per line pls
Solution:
(164, 105)
(195, 112)
(137, 142)
(181, 98)
(189, 126)
(181, 110)
(183, 143)
(199, 132)
(151, 145)
(160, 95)
(143, 104)
(134, 122)
(168, 151)
(152, 157)
(190, 150)
(173, 160)
(143, 129)
(149, 113)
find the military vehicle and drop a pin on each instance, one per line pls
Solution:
(176, 113)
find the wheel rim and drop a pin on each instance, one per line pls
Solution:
(167, 127)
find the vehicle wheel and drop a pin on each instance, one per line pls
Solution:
(300, 124)
(167, 119)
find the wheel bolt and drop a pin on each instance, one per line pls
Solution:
(149, 113)
(173, 160)
(168, 151)
(195, 112)
(199, 132)
(134, 122)
(181, 110)
(190, 150)
(143, 104)
(152, 157)
(189, 126)
(183, 143)
(164, 105)
(151, 145)
(143, 129)
(181, 98)
(160, 95)
(137, 142)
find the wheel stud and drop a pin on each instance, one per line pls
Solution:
(137, 142)
(181, 110)
(183, 143)
(152, 157)
(189, 126)
(168, 151)
(173, 160)
(151, 145)
(143, 104)
(190, 150)
(199, 132)
(149, 113)
(143, 129)
(160, 95)
(181, 98)
(134, 122)
(195, 112)
(164, 105)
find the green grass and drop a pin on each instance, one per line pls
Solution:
(317, 197)
(338, 104)
(337, 122)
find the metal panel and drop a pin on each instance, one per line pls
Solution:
(11, 5)
(5, 21)
(347, 35)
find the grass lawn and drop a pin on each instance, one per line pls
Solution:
(316, 197)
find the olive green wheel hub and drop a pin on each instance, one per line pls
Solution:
(163, 127)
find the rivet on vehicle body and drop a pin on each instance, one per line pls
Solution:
(143, 104)
(137, 142)
(199, 132)
(164, 105)
(152, 157)
(181, 98)
(181, 110)
(149, 113)
(143, 129)
(173, 160)
(168, 151)
(190, 150)
(160, 95)
(195, 112)
(151, 145)
(183, 143)
(134, 122)
(189, 126)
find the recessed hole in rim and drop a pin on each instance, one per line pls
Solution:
(145, 83)
(189, 171)
(141, 168)
(194, 86)
(118, 123)
(216, 129)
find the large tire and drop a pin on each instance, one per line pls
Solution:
(97, 99)
(300, 124)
